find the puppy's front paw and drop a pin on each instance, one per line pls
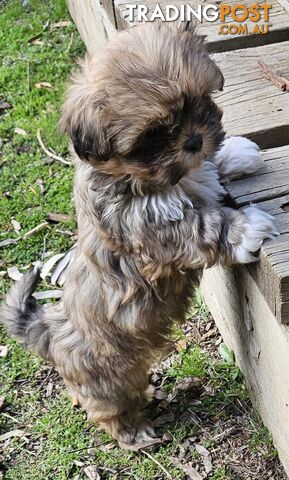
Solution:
(258, 226)
(238, 157)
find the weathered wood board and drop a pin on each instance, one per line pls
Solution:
(278, 21)
(94, 21)
(253, 106)
(270, 189)
(261, 346)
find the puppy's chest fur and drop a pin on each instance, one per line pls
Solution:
(129, 244)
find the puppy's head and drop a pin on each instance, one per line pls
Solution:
(143, 107)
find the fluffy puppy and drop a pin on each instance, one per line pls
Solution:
(149, 202)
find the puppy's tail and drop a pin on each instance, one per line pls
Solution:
(23, 318)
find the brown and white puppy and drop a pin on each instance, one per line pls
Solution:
(149, 202)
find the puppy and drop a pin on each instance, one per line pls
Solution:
(146, 135)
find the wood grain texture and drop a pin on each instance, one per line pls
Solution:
(92, 21)
(253, 106)
(269, 188)
(261, 346)
(278, 21)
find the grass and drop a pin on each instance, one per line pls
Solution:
(57, 442)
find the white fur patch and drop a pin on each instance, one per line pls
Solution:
(259, 226)
(238, 157)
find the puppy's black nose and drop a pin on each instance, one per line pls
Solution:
(194, 143)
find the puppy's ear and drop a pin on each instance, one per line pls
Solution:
(85, 118)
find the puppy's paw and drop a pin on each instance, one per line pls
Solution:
(238, 157)
(258, 226)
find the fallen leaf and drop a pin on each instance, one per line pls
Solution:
(43, 85)
(167, 437)
(208, 464)
(135, 447)
(165, 418)
(47, 267)
(64, 23)
(20, 131)
(91, 472)
(188, 469)
(40, 183)
(190, 383)
(16, 225)
(11, 434)
(160, 394)
(14, 273)
(37, 41)
(202, 450)
(60, 272)
(59, 217)
(181, 345)
(8, 241)
(4, 105)
(48, 294)
(49, 389)
(2, 403)
(3, 351)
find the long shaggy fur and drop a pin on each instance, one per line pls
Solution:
(150, 211)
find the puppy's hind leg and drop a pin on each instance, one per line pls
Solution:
(238, 157)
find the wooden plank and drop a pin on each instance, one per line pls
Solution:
(253, 106)
(92, 22)
(259, 343)
(270, 189)
(278, 21)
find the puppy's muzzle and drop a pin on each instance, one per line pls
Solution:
(194, 143)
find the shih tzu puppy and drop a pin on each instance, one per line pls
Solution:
(150, 159)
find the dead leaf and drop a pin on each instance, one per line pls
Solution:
(64, 23)
(202, 450)
(8, 241)
(160, 394)
(208, 464)
(167, 437)
(4, 105)
(280, 82)
(11, 434)
(14, 273)
(47, 294)
(16, 225)
(165, 418)
(20, 131)
(43, 85)
(49, 389)
(40, 183)
(2, 403)
(60, 272)
(3, 351)
(188, 469)
(190, 383)
(181, 345)
(91, 472)
(59, 217)
(37, 41)
(135, 447)
(47, 267)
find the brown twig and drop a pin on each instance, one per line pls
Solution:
(280, 82)
(48, 152)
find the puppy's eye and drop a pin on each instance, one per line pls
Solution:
(156, 132)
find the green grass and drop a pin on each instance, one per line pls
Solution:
(58, 442)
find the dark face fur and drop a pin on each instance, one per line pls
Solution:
(143, 108)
